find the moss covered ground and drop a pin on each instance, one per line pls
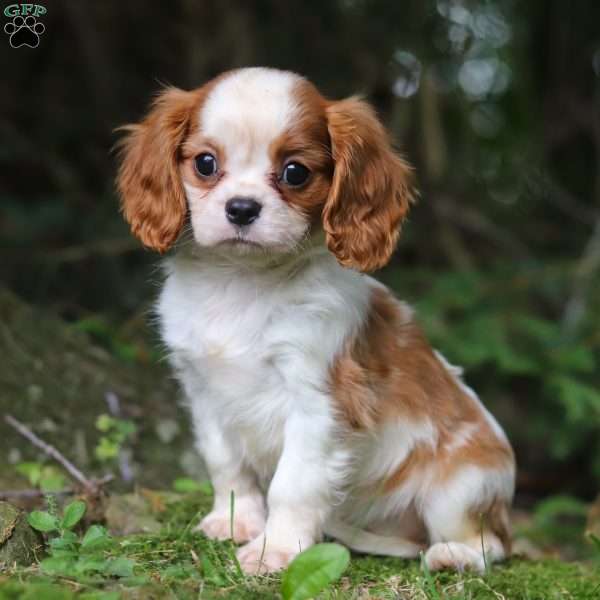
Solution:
(177, 563)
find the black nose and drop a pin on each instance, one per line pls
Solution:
(242, 211)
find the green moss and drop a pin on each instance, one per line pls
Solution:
(179, 563)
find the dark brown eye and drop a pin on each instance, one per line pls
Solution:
(206, 164)
(294, 174)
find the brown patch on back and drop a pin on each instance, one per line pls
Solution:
(393, 371)
(389, 371)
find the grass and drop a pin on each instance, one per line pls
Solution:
(180, 564)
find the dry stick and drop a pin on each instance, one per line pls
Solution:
(49, 450)
(90, 485)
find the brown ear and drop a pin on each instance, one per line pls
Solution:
(371, 190)
(152, 195)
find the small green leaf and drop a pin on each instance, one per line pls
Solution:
(120, 567)
(104, 423)
(210, 572)
(61, 544)
(42, 521)
(106, 449)
(73, 514)
(58, 565)
(87, 564)
(205, 487)
(125, 427)
(52, 483)
(31, 470)
(96, 537)
(312, 570)
(184, 485)
(52, 480)
(68, 537)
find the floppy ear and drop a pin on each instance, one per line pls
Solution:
(371, 190)
(152, 195)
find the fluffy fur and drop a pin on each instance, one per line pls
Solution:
(315, 397)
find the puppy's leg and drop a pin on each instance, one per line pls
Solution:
(300, 495)
(229, 475)
(467, 520)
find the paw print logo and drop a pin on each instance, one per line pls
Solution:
(24, 31)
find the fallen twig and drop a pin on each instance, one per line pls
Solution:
(49, 450)
(91, 486)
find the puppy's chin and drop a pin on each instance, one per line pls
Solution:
(243, 251)
(238, 246)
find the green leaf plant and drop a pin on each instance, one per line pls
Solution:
(313, 570)
(74, 556)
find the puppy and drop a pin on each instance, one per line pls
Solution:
(315, 398)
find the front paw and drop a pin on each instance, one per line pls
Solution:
(454, 556)
(246, 527)
(260, 558)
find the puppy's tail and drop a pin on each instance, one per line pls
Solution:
(366, 542)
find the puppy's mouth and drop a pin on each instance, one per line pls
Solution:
(239, 242)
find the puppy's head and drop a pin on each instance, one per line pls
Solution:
(261, 162)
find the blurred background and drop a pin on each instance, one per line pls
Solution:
(495, 102)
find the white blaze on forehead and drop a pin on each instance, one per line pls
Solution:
(243, 113)
(250, 107)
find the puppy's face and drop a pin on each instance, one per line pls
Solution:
(258, 165)
(260, 162)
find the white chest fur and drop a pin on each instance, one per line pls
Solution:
(252, 347)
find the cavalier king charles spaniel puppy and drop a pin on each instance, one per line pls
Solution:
(315, 397)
